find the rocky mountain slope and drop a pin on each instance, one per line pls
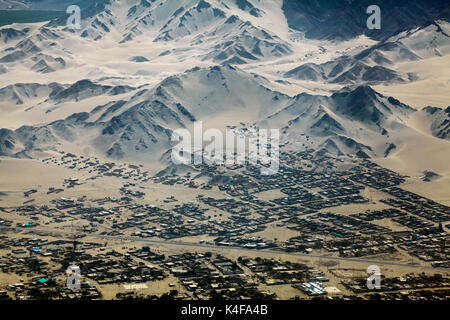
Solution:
(329, 19)
(139, 69)
(351, 120)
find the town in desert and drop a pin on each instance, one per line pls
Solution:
(92, 205)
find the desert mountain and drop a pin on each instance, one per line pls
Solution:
(440, 121)
(350, 120)
(139, 69)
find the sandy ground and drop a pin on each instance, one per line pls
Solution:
(421, 151)
(433, 88)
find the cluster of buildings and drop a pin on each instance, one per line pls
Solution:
(276, 272)
(234, 214)
(402, 283)
(207, 276)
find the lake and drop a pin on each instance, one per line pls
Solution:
(28, 16)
